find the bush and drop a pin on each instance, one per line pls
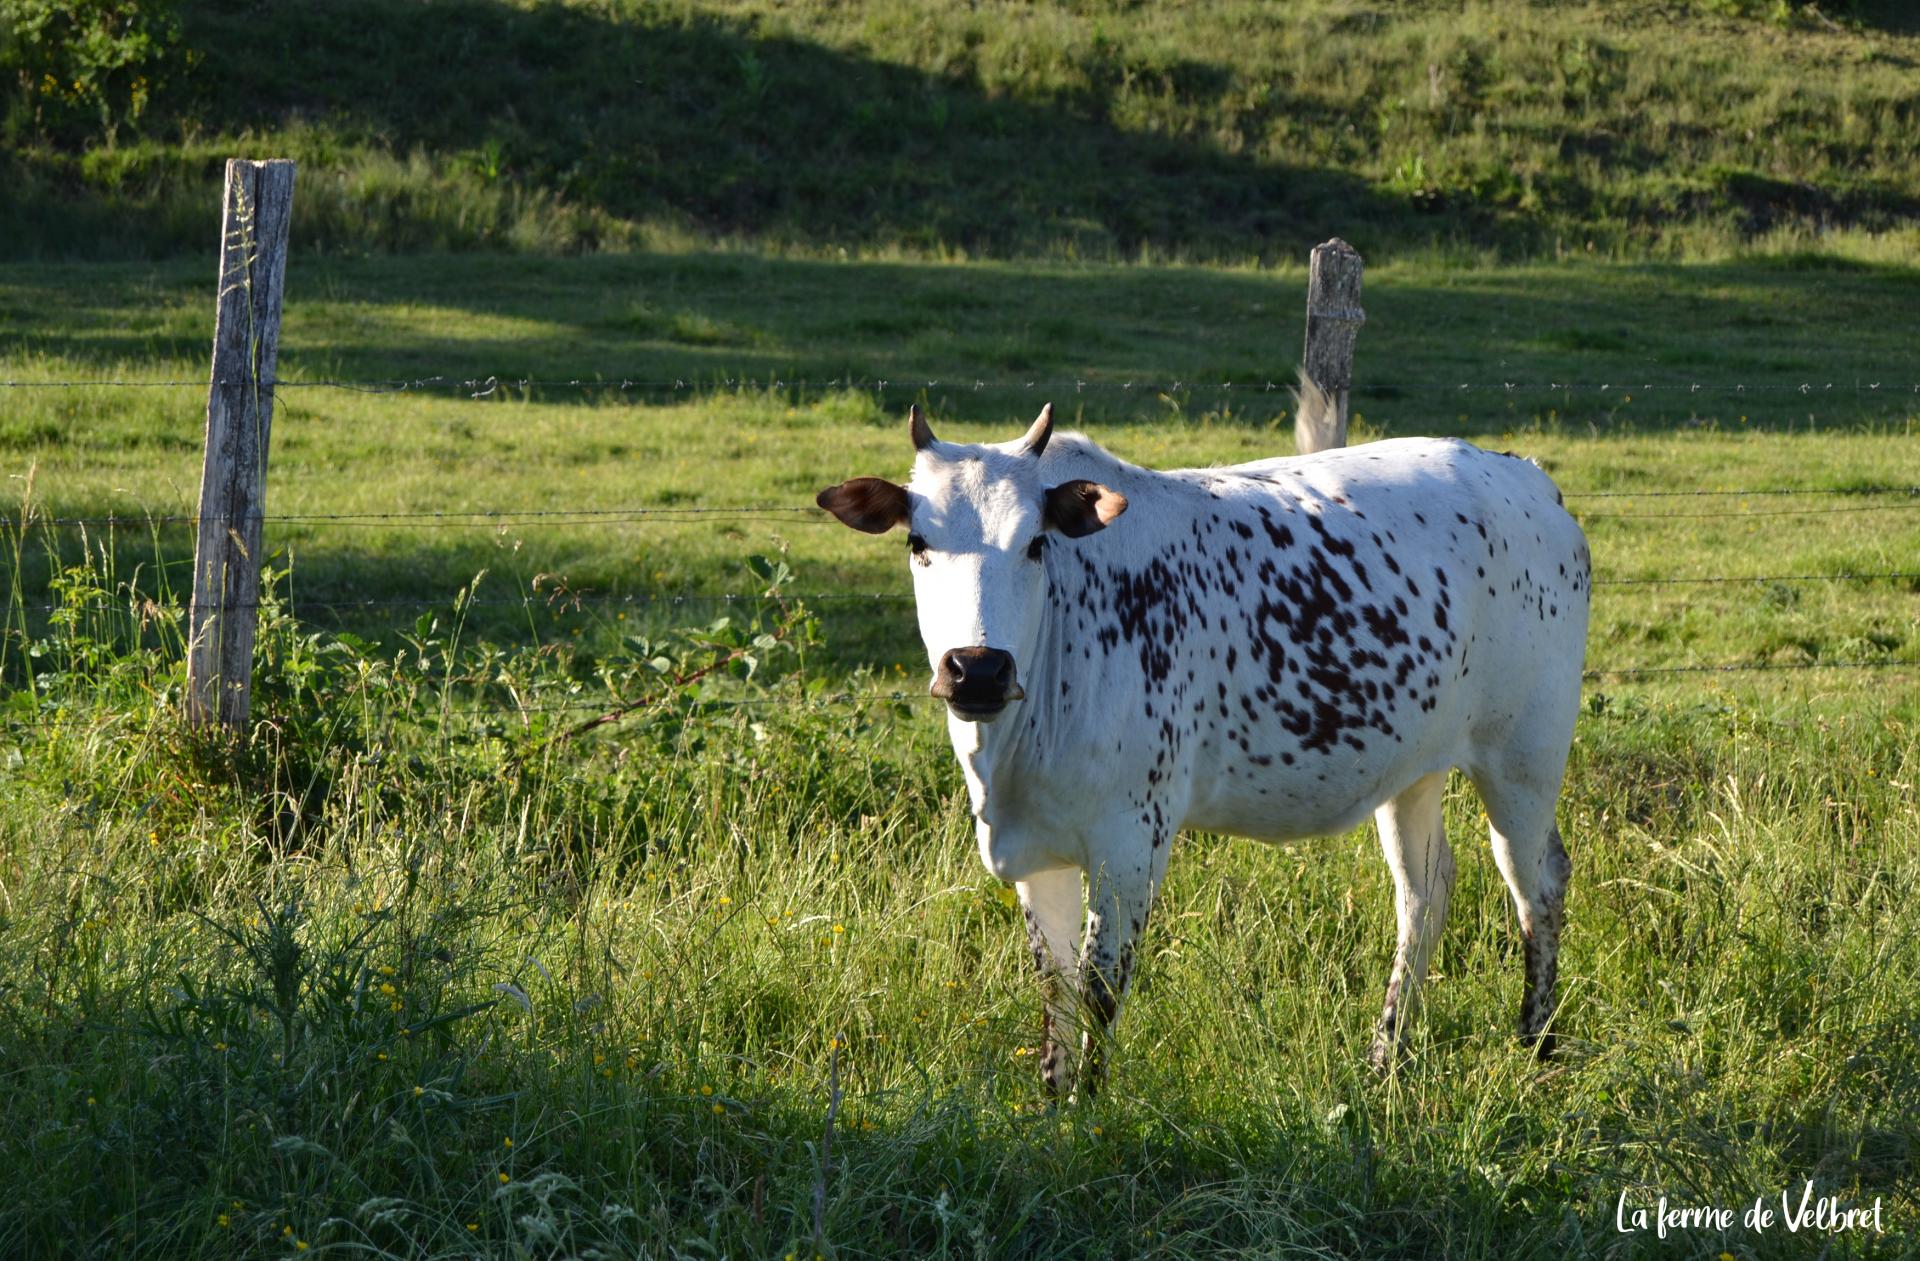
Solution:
(83, 68)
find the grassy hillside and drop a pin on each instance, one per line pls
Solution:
(1205, 131)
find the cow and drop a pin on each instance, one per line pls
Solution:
(1270, 650)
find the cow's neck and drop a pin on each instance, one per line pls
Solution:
(1004, 753)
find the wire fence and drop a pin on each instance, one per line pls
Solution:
(563, 603)
(491, 518)
(489, 384)
(569, 601)
(801, 698)
(1824, 501)
(896, 697)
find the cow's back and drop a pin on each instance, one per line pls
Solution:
(1379, 613)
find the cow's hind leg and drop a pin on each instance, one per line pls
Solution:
(1527, 849)
(1414, 838)
(1053, 904)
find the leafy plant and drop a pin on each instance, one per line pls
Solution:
(1412, 180)
(85, 68)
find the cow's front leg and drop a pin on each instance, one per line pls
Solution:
(1054, 908)
(1413, 836)
(1119, 897)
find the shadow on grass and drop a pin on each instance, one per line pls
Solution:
(209, 1088)
(1886, 15)
(564, 114)
(950, 1171)
(573, 591)
(991, 342)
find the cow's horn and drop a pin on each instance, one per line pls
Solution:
(1036, 440)
(918, 427)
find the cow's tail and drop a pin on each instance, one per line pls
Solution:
(1317, 421)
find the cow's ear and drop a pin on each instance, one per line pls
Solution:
(1079, 508)
(872, 504)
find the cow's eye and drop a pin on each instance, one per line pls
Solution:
(918, 546)
(1035, 548)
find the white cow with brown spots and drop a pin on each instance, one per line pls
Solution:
(1271, 650)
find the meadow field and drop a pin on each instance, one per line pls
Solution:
(596, 879)
(417, 972)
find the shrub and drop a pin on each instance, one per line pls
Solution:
(83, 68)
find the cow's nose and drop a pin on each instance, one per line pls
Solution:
(979, 669)
(977, 682)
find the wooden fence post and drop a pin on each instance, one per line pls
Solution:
(1334, 317)
(246, 343)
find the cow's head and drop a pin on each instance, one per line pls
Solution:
(979, 520)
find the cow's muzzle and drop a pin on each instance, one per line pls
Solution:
(977, 683)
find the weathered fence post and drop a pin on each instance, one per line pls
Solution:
(246, 344)
(1334, 318)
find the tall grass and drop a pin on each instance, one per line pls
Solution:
(414, 972)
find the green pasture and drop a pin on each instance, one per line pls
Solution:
(596, 880)
(417, 973)
(1136, 356)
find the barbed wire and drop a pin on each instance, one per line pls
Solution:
(579, 601)
(490, 518)
(509, 709)
(1749, 493)
(557, 603)
(480, 518)
(565, 602)
(608, 704)
(1749, 667)
(485, 385)
(1888, 575)
(1729, 516)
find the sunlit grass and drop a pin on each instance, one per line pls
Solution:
(394, 982)
(417, 974)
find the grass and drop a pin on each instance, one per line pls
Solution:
(1216, 133)
(629, 969)
(110, 451)
(630, 1046)
(424, 969)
